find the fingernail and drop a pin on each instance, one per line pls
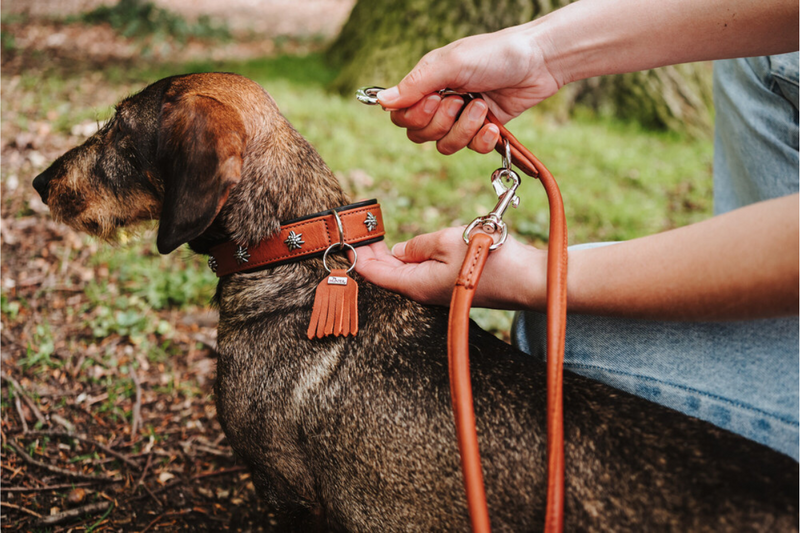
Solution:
(454, 106)
(431, 103)
(388, 96)
(476, 110)
(398, 249)
(491, 133)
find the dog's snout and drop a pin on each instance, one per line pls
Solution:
(41, 183)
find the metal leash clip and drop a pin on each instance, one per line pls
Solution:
(369, 95)
(493, 222)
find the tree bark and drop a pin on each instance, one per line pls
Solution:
(382, 41)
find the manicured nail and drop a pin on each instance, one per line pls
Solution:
(389, 96)
(398, 249)
(431, 103)
(476, 110)
(491, 133)
(454, 106)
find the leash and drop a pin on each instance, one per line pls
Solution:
(479, 246)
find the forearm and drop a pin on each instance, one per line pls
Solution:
(596, 37)
(740, 265)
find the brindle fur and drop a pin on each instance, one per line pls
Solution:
(356, 433)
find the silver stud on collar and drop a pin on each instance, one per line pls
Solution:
(241, 255)
(294, 241)
(371, 222)
(212, 263)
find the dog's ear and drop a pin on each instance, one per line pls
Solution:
(200, 147)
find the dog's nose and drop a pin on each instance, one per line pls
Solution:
(41, 182)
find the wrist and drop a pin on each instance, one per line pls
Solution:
(530, 273)
(545, 50)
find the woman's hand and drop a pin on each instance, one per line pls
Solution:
(425, 269)
(507, 67)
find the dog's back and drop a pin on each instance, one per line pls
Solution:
(360, 432)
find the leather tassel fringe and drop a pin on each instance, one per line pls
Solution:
(335, 309)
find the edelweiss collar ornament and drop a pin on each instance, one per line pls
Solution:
(241, 255)
(294, 241)
(371, 222)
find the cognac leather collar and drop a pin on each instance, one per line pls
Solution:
(303, 238)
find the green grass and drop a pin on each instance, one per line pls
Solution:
(618, 180)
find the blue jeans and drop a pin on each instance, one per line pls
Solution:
(741, 376)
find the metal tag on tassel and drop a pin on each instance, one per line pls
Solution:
(335, 310)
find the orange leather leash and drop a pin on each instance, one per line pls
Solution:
(556, 331)
(460, 384)
(480, 244)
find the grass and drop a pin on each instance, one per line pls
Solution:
(618, 180)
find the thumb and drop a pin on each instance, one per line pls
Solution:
(427, 77)
(421, 248)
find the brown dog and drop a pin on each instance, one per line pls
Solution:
(356, 433)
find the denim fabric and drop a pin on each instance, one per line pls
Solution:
(756, 133)
(741, 376)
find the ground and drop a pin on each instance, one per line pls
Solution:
(108, 419)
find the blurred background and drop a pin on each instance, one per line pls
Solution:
(108, 421)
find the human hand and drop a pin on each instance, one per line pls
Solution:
(425, 269)
(508, 67)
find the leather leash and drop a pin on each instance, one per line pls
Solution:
(480, 244)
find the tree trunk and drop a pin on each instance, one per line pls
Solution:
(382, 41)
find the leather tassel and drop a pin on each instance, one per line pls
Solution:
(335, 309)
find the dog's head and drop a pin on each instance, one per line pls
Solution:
(174, 152)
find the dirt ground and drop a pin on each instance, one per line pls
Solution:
(95, 435)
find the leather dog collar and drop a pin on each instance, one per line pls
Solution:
(303, 238)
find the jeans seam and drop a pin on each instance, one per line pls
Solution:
(776, 74)
(687, 389)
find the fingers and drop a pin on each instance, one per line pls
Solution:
(486, 139)
(427, 77)
(470, 130)
(438, 124)
(438, 246)
(436, 119)
(423, 268)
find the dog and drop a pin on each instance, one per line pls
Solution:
(356, 433)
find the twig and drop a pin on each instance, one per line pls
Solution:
(68, 435)
(165, 514)
(28, 401)
(60, 420)
(18, 405)
(62, 471)
(153, 495)
(72, 513)
(146, 468)
(136, 419)
(101, 520)
(48, 487)
(141, 481)
(222, 472)
(153, 522)
(18, 508)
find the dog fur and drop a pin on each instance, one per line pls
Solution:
(357, 434)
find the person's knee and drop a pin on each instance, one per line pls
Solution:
(529, 333)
